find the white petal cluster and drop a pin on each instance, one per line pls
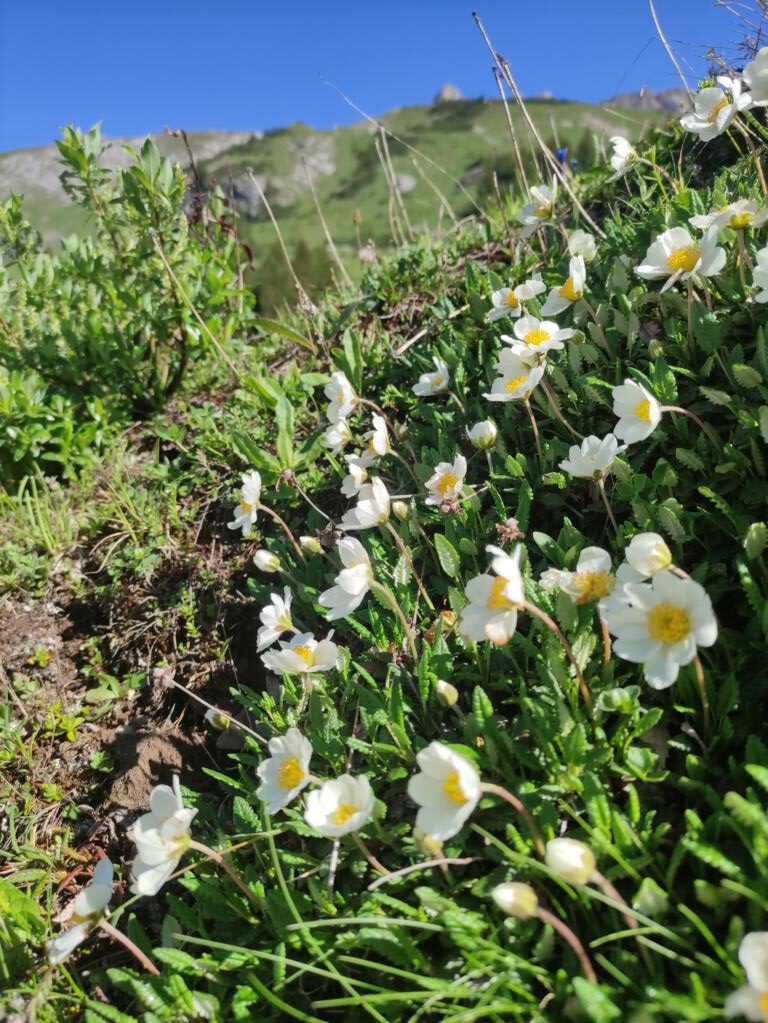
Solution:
(760, 276)
(715, 107)
(493, 601)
(483, 435)
(447, 789)
(250, 498)
(337, 436)
(751, 1000)
(755, 74)
(162, 837)
(377, 440)
(372, 508)
(352, 583)
(516, 377)
(275, 619)
(582, 243)
(302, 655)
(571, 859)
(88, 906)
(357, 473)
(677, 257)
(534, 338)
(445, 484)
(541, 210)
(624, 156)
(341, 397)
(638, 411)
(266, 560)
(510, 301)
(433, 383)
(572, 290)
(737, 215)
(285, 772)
(592, 581)
(593, 458)
(340, 806)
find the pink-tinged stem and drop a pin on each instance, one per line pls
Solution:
(606, 641)
(692, 415)
(505, 794)
(284, 525)
(555, 630)
(535, 429)
(125, 941)
(219, 860)
(376, 864)
(570, 938)
(613, 893)
(607, 503)
(441, 861)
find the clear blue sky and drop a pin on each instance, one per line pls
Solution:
(143, 65)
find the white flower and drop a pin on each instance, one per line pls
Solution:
(493, 601)
(534, 338)
(86, 910)
(714, 108)
(341, 395)
(571, 291)
(372, 507)
(755, 74)
(737, 215)
(509, 301)
(337, 436)
(590, 583)
(582, 243)
(378, 438)
(541, 210)
(447, 480)
(571, 859)
(433, 383)
(266, 560)
(162, 837)
(751, 1001)
(676, 256)
(594, 458)
(624, 156)
(516, 899)
(648, 554)
(483, 435)
(638, 411)
(275, 619)
(517, 377)
(250, 497)
(447, 789)
(357, 474)
(340, 806)
(303, 654)
(661, 625)
(286, 771)
(352, 583)
(760, 275)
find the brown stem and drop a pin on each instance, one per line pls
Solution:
(554, 404)
(509, 797)
(281, 521)
(692, 415)
(407, 555)
(555, 630)
(376, 864)
(458, 402)
(570, 938)
(613, 893)
(125, 941)
(606, 641)
(699, 669)
(230, 871)
(535, 429)
(607, 503)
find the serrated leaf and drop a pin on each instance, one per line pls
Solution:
(447, 555)
(689, 458)
(746, 376)
(715, 396)
(756, 539)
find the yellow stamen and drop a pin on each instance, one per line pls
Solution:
(536, 337)
(543, 211)
(437, 381)
(643, 411)
(289, 773)
(568, 291)
(723, 102)
(593, 586)
(452, 789)
(245, 507)
(497, 598)
(739, 221)
(446, 482)
(512, 385)
(684, 259)
(511, 300)
(668, 624)
(305, 653)
(762, 1002)
(344, 812)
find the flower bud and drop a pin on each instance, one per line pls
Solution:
(571, 859)
(446, 694)
(401, 510)
(266, 560)
(217, 719)
(483, 435)
(516, 899)
(648, 554)
(310, 544)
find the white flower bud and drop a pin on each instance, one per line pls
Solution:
(483, 435)
(648, 554)
(447, 694)
(310, 544)
(516, 899)
(571, 859)
(401, 510)
(266, 560)
(217, 719)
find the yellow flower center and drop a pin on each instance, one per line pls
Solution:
(497, 598)
(739, 221)
(306, 654)
(543, 211)
(246, 507)
(643, 411)
(289, 774)
(511, 300)
(452, 789)
(536, 337)
(722, 102)
(668, 624)
(437, 381)
(684, 259)
(344, 812)
(593, 586)
(446, 482)
(763, 1004)
(568, 291)
(512, 385)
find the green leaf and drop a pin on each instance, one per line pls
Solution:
(273, 327)
(448, 555)
(708, 332)
(284, 418)
(746, 376)
(595, 1002)
(254, 454)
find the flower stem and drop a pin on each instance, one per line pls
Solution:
(555, 630)
(407, 555)
(283, 524)
(392, 601)
(690, 315)
(607, 503)
(570, 938)
(125, 941)
(606, 641)
(230, 871)
(411, 473)
(456, 399)
(310, 502)
(554, 404)
(424, 865)
(535, 429)
(377, 866)
(613, 893)
(598, 326)
(699, 669)
(505, 794)
(700, 423)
